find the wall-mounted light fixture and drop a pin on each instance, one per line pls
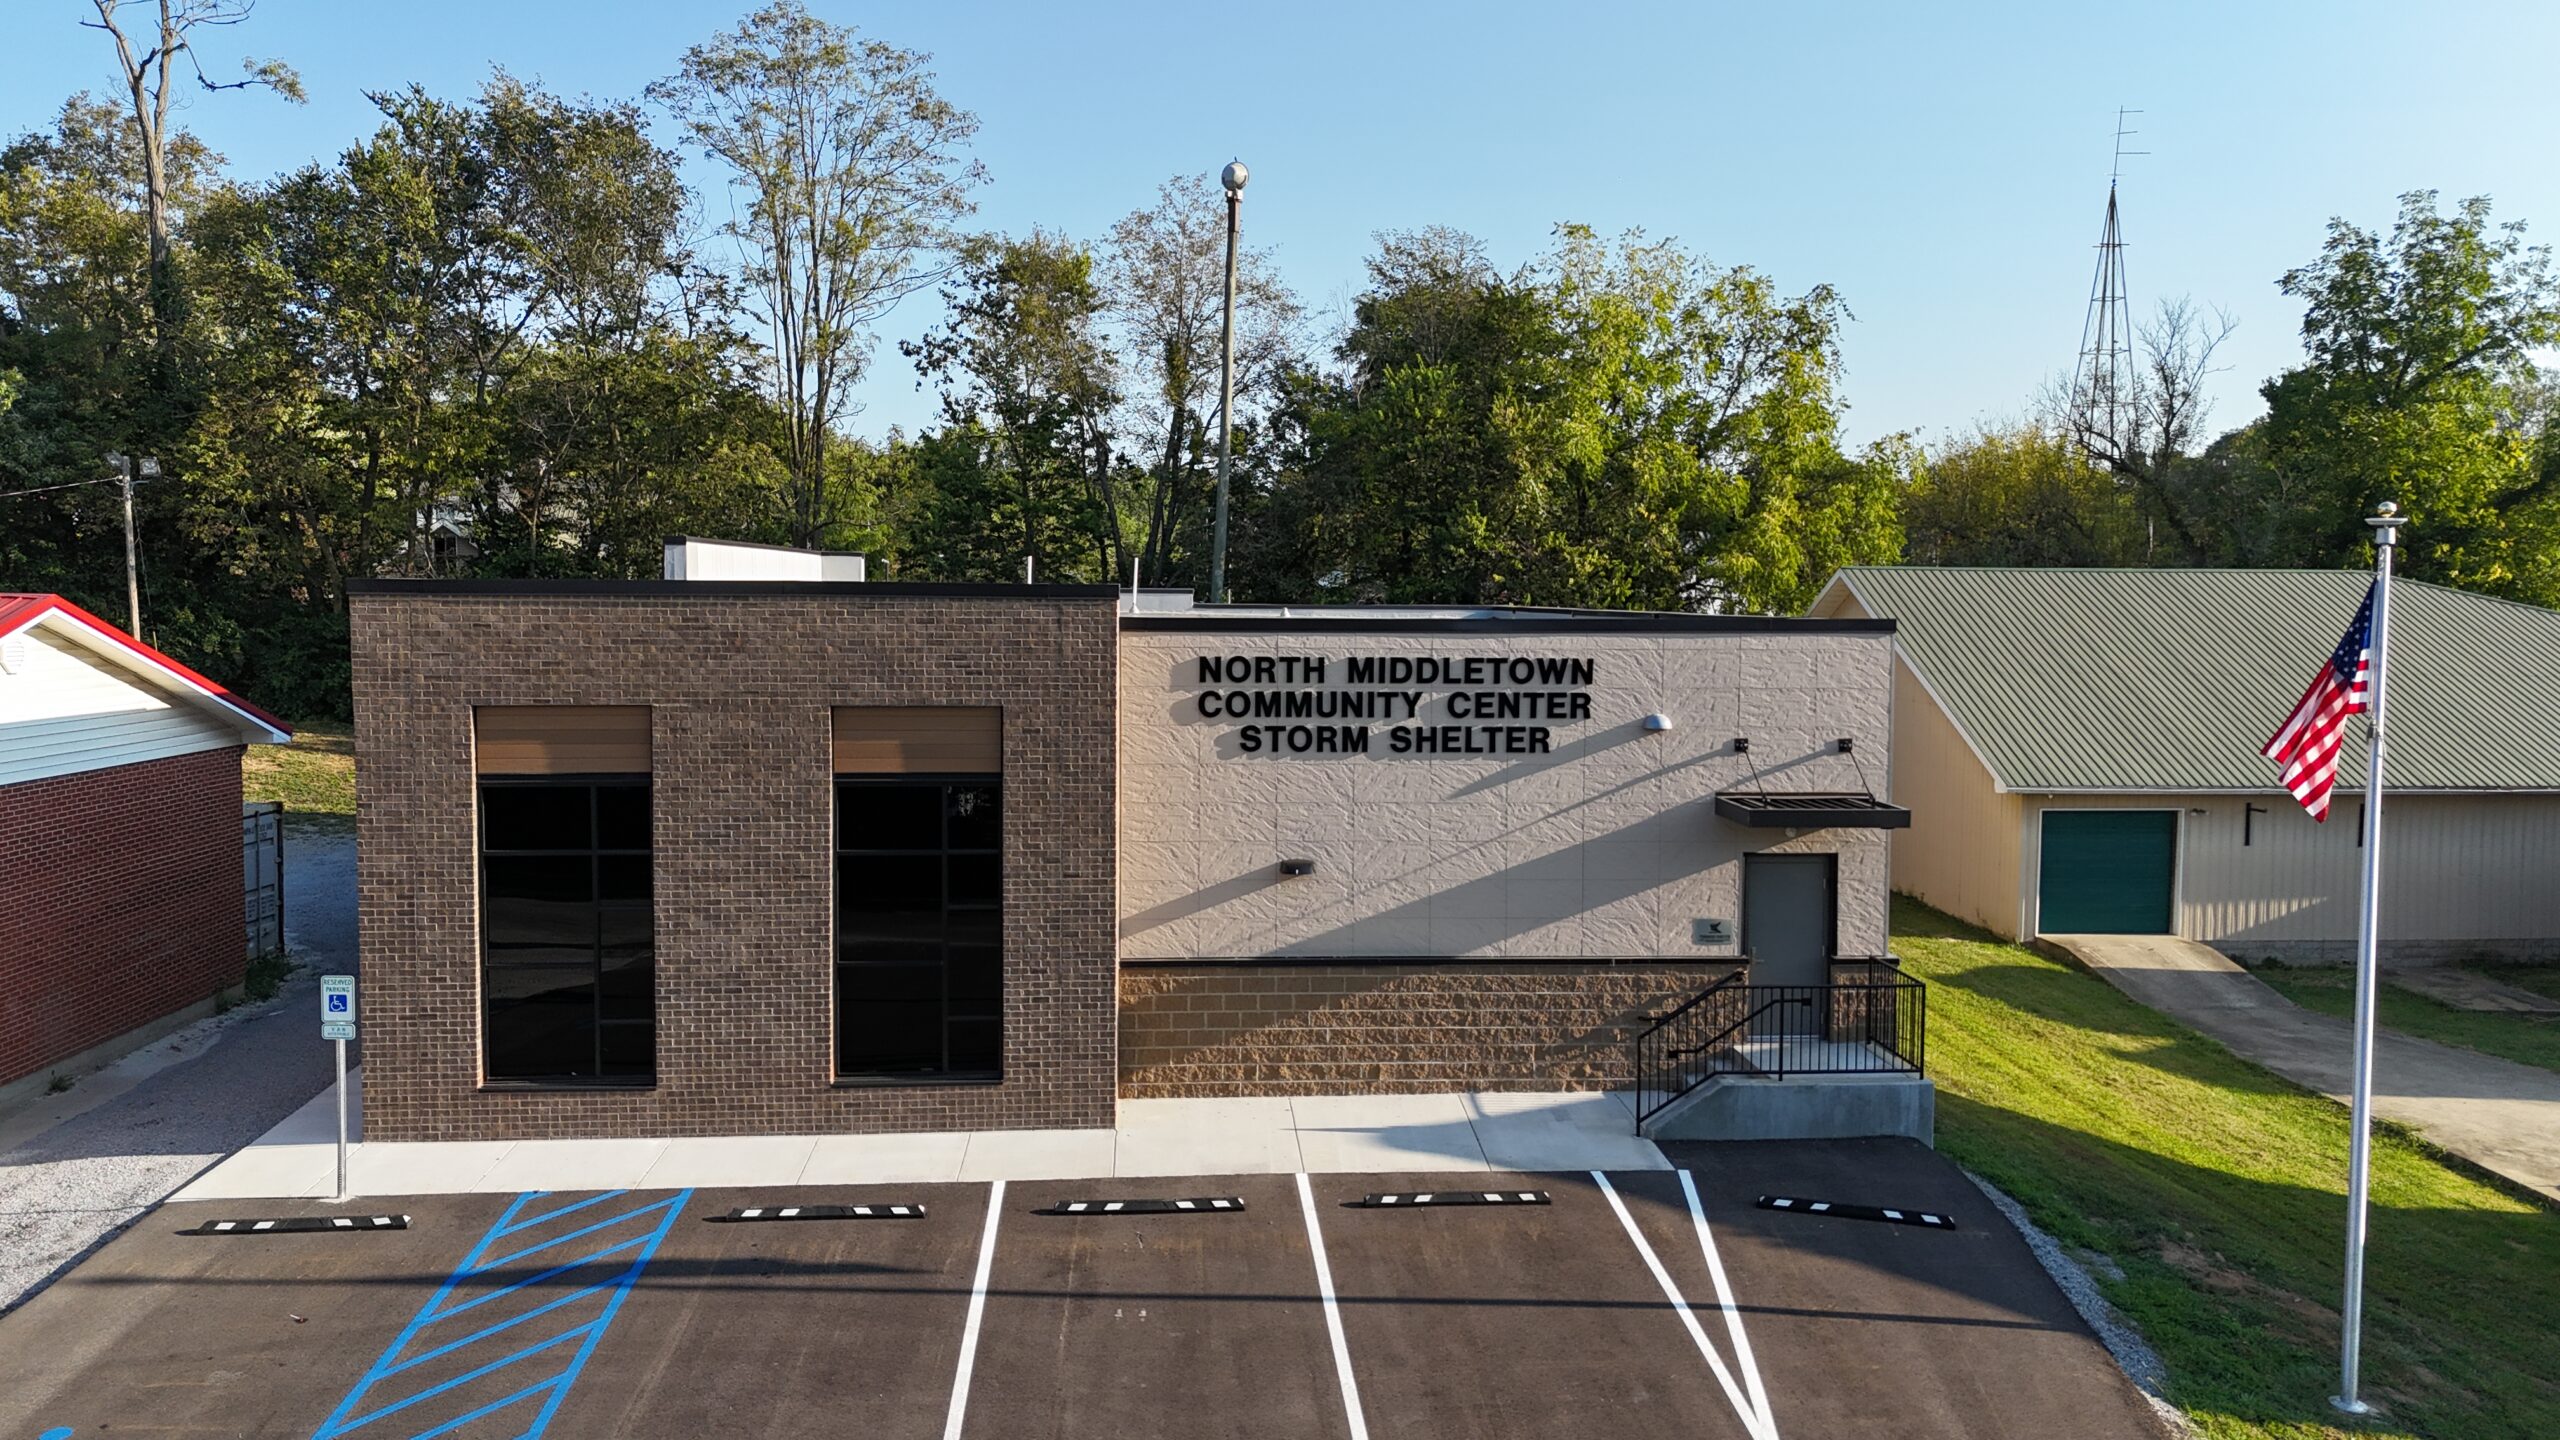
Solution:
(1657, 722)
(1297, 867)
(1741, 744)
(1847, 744)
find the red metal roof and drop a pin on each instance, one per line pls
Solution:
(17, 612)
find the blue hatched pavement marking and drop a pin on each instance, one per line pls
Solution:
(344, 1419)
(513, 1286)
(539, 1247)
(574, 1205)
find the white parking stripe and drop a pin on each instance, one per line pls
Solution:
(1742, 1405)
(1732, 1312)
(977, 1310)
(1332, 1314)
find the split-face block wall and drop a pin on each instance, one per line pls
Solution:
(1505, 866)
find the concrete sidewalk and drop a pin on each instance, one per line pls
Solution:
(1341, 1134)
(2500, 1116)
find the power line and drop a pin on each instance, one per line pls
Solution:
(67, 485)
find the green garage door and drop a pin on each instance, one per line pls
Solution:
(2108, 872)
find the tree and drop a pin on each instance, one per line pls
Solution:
(632, 413)
(1618, 425)
(1025, 466)
(2420, 386)
(2150, 458)
(76, 329)
(1163, 279)
(851, 172)
(475, 344)
(146, 78)
(2019, 495)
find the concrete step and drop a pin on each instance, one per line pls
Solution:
(1801, 1107)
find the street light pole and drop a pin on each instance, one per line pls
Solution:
(1233, 178)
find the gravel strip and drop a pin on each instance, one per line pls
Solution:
(2133, 1355)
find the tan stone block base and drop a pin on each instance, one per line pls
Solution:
(1210, 1030)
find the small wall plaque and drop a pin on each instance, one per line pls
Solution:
(1711, 931)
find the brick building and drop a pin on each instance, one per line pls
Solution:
(737, 857)
(120, 872)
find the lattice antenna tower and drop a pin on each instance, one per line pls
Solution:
(2103, 398)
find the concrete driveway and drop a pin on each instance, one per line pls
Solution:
(2500, 1116)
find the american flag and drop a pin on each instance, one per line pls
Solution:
(2307, 745)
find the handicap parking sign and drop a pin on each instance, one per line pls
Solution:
(337, 1007)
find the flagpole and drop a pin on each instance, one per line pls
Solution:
(2386, 524)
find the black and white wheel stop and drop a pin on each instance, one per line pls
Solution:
(818, 1212)
(1426, 1199)
(1200, 1205)
(1926, 1219)
(301, 1225)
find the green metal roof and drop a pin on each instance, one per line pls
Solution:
(2171, 680)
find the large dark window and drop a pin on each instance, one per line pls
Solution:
(568, 950)
(919, 928)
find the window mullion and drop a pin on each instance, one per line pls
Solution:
(595, 927)
(945, 967)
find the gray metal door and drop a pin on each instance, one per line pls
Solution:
(1789, 918)
(262, 874)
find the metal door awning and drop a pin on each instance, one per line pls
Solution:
(1811, 809)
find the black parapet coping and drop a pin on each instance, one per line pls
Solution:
(1812, 810)
(727, 589)
(1797, 1204)
(1587, 622)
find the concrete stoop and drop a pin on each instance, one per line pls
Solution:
(1801, 1107)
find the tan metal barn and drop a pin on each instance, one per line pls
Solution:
(2080, 753)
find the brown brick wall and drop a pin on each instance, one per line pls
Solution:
(740, 686)
(1205, 1030)
(120, 902)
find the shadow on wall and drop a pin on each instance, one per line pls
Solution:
(1482, 898)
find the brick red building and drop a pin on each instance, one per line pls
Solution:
(120, 870)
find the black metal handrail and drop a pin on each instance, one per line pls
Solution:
(1871, 1019)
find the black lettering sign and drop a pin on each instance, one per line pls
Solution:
(1480, 698)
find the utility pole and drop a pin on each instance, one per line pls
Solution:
(125, 465)
(1233, 177)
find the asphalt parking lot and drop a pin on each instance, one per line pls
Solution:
(638, 1313)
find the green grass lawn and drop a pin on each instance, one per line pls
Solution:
(315, 776)
(2220, 1190)
(2526, 1039)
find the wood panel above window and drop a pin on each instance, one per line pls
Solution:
(919, 740)
(561, 739)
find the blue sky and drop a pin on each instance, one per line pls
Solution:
(1944, 166)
